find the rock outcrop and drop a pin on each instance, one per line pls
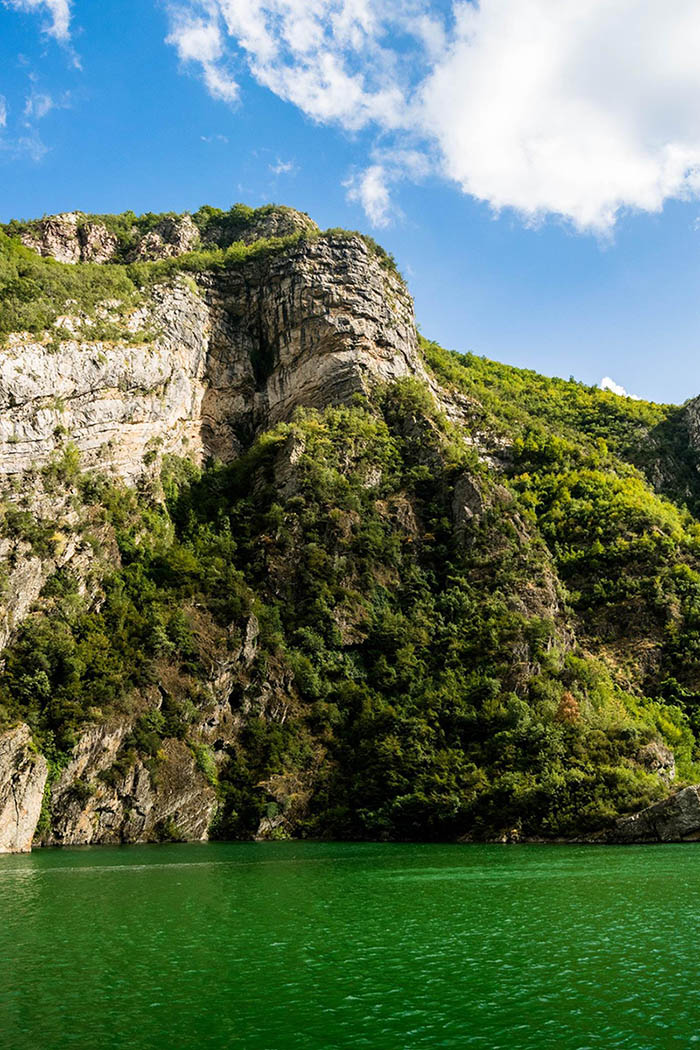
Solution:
(268, 222)
(278, 222)
(171, 237)
(91, 803)
(71, 238)
(673, 819)
(23, 774)
(234, 353)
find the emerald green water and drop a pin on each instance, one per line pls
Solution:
(320, 946)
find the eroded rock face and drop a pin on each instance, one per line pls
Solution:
(235, 355)
(23, 775)
(467, 504)
(170, 238)
(68, 238)
(111, 399)
(97, 244)
(173, 799)
(270, 222)
(278, 222)
(106, 794)
(311, 326)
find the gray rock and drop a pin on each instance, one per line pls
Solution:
(56, 236)
(467, 503)
(674, 819)
(310, 326)
(278, 222)
(135, 806)
(68, 238)
(23, 774)
(657, 758)
(171, 237)
(97, 244)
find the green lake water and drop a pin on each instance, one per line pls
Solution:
(313, 946)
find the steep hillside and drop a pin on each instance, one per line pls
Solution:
(274, 566)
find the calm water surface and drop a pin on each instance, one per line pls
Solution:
(315, 946)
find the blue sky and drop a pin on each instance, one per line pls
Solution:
(536, 221)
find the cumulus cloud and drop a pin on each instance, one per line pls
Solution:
(607, 383)
(334, 59)
(574, 108)
(373, 187)
(198, 39)
(59, 12)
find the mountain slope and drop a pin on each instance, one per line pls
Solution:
(276, 567)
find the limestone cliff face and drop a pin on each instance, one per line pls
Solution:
(111, 399)
(235, 352)
(23, 775)
(73, 237)
(205, 362)
(137, 805)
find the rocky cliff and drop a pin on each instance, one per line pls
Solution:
(271, 565)
(229, 354)
(23, 775)
(205, 361)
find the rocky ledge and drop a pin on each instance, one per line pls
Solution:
(673, 819)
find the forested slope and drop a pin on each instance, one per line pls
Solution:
(453, 599)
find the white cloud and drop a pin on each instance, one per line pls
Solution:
(29, 145)
(574, 108)
(334, 59)
(3, 111)
(59, 12)
(198, 39)
(38, 104)
(607, 383)
(283, 167)
(371, 189)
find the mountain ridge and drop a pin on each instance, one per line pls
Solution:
(273, 565)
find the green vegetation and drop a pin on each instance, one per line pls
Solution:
(35, 291)
(428, 628)
(416, 679)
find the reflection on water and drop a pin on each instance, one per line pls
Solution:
(319, 946)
